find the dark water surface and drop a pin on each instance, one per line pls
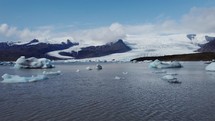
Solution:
(96, 96)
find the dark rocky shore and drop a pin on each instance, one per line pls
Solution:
(206, 56)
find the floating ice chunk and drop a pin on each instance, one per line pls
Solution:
(159, 72)
(52, 73)
(173, 74)
(6, 63)
(117, 78)
(159, 64)
(77, 70)
(171, 79)
(125, 73)
(7, 78)
(33, 63)
(88, 68)
(210, 67)
(98, 67)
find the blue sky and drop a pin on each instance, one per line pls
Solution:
(92, 13)
(83, 19)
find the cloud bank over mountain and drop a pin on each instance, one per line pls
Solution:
(197, 20)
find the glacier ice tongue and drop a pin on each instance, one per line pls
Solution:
(32, 63)
(7, 78)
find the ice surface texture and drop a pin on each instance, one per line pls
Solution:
(210, 67)
(33, 63)
(161, 65)
(7, 78)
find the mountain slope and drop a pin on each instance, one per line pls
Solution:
(208, 47)
(98, 51)
(12, 51)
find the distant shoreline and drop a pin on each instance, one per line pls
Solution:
(206, 56)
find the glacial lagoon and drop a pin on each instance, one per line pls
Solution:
(118, 92)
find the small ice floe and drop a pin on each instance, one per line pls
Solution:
(98, 67)
(159, 64)
(77, 70)
(33, 63)
(117, 77)
(125, 73)
(88, 68)
(6, 63)
(52, 73)
(171, 79)
(210, 67)
(7, 78)
(173, 74)
(160, 72)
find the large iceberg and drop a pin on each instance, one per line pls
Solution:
(210, 67)
(7, 78)
(159, 64)
(33, 63)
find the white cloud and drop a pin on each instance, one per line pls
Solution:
(197, 20)
(10, 33)
(103, 34)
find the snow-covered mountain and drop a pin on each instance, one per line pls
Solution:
(132, 46)
(158, 45)
(34, 48)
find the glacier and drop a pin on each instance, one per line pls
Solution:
(145, 46)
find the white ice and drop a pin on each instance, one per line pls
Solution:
(161, 65)
(33, 63)
(210, 67)
(171, 79)
(117, 77)
(7, 78)
(89, 68)
(52, 72)
(98, 67)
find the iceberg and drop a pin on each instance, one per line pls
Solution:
(210, 67)
(161, 65)
(7, 78)
(33, 63)
(171, 79)
(98, 67)
(77, 70)
(88, 68)
(117, 78)
(51, 73)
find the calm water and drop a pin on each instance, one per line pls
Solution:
(96, 96)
